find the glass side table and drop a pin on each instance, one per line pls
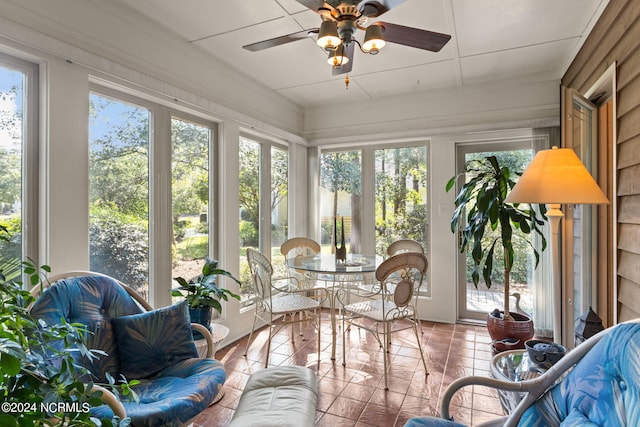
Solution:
(512, 365)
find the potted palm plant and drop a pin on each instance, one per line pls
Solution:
(203, 294)
(481, 208)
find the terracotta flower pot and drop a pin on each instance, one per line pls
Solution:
(509, 334)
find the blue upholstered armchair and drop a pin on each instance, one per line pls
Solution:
(153, 346)
(602, 387)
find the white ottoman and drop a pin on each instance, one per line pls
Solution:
(282, 396)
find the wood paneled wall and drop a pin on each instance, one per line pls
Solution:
(616, 38)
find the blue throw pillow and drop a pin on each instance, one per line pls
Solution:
(151, 341)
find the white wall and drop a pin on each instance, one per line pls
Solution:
(428, 113)
(64, 167)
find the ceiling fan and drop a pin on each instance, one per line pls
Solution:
(340, 21)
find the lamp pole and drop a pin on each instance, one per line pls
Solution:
(555, 215)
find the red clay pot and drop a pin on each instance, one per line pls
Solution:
(509, 334)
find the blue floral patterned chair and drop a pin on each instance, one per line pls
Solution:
(155, 347)
(601, 388)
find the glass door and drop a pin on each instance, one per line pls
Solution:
(475, 303)
(580, 268)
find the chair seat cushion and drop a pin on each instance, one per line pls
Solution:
(149, 342)
(602, 389)
(373, 309)
(286, 303)
(177, 394)
(283, 396)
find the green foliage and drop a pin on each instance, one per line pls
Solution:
(400, 191)
(203, 291)
(338, 171)
(37, 369)
(481, 209)
(189, 167)
(196, 247)
(11, 247)
(412, 225)
(119, 246)
(248, 233)
(246, 280)
(119, 156)
(10, 177)
(249, 181)
(10, 151)
(179, 230)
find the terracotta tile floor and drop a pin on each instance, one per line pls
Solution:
(354, 395)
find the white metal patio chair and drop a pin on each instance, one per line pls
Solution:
(371, 308)
(298, 247)
(404, 246)
(278, 305)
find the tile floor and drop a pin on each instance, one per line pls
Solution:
(354, 395)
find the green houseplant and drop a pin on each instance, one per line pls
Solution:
(480, 209)
(203, 293)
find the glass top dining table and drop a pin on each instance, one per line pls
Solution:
(327, 264)
(326, 268)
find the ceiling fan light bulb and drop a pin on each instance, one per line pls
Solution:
(373, 39)
(328, 38)
(337, 60)
(338, 57)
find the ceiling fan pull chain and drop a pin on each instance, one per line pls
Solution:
(346, 81)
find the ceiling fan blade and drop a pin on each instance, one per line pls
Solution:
(314, 5)
(414, 37)
(277, 41)
(373, 8)
(344, 68)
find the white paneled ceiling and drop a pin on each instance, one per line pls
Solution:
(492, 40)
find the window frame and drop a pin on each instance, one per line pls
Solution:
(264, 179)
(160, 175)
(30, 156)
(368, 171)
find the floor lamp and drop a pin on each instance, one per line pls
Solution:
(555, 177)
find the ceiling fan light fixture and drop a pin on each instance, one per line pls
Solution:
(328, 37)
(373, 39)
(338, 57)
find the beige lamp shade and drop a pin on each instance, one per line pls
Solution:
(328, 37)
(557, 176)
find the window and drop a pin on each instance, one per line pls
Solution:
(279, 196)
(129, 138)
(400, 196)
(341, 198)
(380, 192)
(381, 195)
(190, 190)
(263, 214)
(18, 160)
(119, 139)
